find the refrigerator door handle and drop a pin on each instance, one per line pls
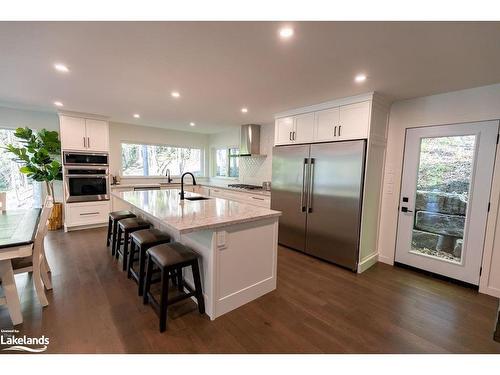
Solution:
(302, 193)
(311, 182)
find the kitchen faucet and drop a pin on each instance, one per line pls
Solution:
(169, 180)
(182, 183)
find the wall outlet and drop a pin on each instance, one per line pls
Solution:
(221, 239)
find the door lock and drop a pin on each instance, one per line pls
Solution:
(405, 209)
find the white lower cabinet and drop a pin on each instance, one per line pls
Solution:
(86, 213)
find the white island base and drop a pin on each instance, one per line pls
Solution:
(238, 255)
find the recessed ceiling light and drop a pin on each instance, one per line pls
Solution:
(61, 68)
(244, 110)
(136, 115)
(286, 32)
(360, 78)
(58, 104)
(192, 124)
(175, 94)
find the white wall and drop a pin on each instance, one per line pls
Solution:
(15, 118)
(477, 104)
(253, 170)
(119, 132)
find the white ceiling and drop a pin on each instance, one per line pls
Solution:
(121, 68)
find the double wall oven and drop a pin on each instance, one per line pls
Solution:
(86, 176)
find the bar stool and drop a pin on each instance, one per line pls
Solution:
(140, 242)
(114, 217)
(171, 258)
(127, 226)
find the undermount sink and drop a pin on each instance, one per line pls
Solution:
(196, 198)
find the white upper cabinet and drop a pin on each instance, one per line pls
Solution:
(73, 135)
(97, 135)
(354, 121)
(284, 128)
(82, 134)
(304, 128)
(327, 123)
(341, 122)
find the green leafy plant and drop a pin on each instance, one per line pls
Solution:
(38, 156)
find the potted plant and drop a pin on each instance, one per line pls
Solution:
(38, 158)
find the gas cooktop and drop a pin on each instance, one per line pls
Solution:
(245, 186)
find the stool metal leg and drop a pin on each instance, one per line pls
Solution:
(197, 285)
(164, 299)
(142, 266)
(108, 237)
(126, 237)
(117, 242)
(147, 281)
(130, 258)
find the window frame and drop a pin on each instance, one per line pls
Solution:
(213, 164)
(202, 158)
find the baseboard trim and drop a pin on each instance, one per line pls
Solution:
(81, 227)
(367, 262)
(386, 260)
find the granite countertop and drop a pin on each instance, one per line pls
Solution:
(189, 216)
(178, 184)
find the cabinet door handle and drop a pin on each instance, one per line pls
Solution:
(259, 199)
(335, 131)
(89, 213)
(339, 130)
(294, 136)
(84, 143)
(88, 142)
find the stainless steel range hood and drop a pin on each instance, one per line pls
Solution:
(250, 140)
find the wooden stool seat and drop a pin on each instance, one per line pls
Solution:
(113, 219)
(172, 254)
(128, 226)
(140, 242)
(170, 259)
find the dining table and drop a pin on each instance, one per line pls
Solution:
(17, 234)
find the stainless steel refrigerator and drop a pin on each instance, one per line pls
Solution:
(318, 188)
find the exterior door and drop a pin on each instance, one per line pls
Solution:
(444, 198)
(288, 193)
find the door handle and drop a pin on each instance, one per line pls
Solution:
(405, 209)
(84, 143)
(335, 131)
(290, 136)
(339, 129)
(293, 136)
(311, 182)
(88, 142)
(302, 207)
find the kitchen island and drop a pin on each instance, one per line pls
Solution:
(237, 242)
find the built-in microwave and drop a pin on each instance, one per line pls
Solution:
(86, 183)
(85, 158)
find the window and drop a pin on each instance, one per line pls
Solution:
(21, 192)
(226, 162)
(154, 160)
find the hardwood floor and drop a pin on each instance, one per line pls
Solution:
(317, 308)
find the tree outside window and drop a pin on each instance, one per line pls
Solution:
(227, 162)
(154, 160)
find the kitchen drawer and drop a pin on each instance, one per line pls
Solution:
(86, 213)
(259, 200)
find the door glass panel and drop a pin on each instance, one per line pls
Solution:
(442, 194)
